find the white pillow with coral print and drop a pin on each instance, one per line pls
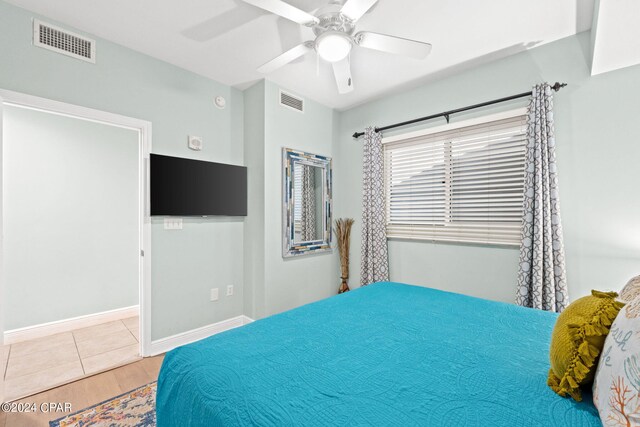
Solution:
(616, 387)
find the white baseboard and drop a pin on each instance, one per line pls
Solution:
(45, 329)
(164, 345)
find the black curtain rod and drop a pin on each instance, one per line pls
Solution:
(556, 87)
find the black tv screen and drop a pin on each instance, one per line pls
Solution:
(185, 187)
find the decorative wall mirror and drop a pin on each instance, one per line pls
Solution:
(306, 214)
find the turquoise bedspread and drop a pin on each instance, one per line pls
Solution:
(387, 354)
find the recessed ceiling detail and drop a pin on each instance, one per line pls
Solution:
(615, 36)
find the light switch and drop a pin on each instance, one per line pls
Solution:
(229, 290)
(214, 294)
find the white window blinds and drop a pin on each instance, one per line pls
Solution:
(460, 185)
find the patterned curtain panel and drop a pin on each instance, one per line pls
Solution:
(541, 278)
(308, 214)
(375, 261)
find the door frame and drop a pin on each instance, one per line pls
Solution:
(143, 127)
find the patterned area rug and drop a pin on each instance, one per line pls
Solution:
(136, 408)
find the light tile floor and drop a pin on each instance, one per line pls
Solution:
(37, 365)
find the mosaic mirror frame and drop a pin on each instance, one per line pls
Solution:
(290, 247)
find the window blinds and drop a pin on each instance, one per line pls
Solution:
(462, 185)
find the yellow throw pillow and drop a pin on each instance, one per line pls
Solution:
(577, 340)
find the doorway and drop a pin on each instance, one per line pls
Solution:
(61, 228)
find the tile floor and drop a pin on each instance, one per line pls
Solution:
(37, 365)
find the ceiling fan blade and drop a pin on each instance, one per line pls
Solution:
(285, 10)
(342, 73)
(392, 44)
(354, 9)
(285, 58)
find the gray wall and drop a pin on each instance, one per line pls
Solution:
(278, 284)
(186, 264)
(254, 232)
(597, 137)
(293, 281)
(71, 217)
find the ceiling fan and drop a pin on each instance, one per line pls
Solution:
(334, 27)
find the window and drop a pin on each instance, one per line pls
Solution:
(462, 182)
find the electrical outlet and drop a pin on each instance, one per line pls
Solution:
(229, 290)
(214, 294)
(173, 223)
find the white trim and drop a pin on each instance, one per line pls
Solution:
(23, 100)
(50, 328)
(164, 345)
(2, 291)
(143, 128)
(145, 239)
(457, 125)
(246, 320)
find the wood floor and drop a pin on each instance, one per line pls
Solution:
(86, 392)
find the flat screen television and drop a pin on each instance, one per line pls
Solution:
(186, 187)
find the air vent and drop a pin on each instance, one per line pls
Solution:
(290, 101)
(62, 41)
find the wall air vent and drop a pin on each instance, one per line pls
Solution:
(290, 101)
(62, 41)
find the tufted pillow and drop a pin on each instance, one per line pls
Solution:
(631, 290)
(616, 388)
(577, 339)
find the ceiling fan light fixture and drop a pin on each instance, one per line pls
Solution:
(333, 46)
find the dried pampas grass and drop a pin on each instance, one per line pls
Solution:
(343, 231)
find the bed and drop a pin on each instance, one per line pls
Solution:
(386, 354)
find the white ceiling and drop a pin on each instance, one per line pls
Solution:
(227, 40)
(616, 35)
